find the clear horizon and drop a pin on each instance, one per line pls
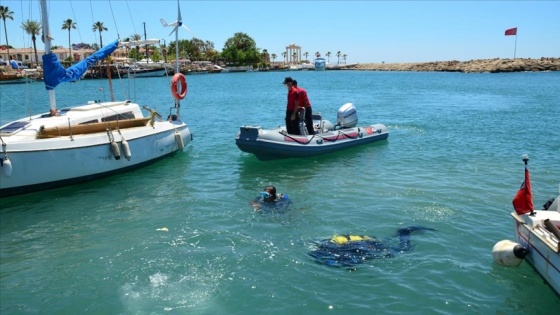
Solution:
(367, 31)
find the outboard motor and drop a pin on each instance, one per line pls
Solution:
(347, 116)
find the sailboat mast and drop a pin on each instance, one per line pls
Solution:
(177, 102)
(47, 40)
(177, 48)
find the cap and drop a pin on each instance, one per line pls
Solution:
(288, 80)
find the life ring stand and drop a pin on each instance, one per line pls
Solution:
(177, 79)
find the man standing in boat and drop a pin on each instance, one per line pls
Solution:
(303, 102)
(291, 108)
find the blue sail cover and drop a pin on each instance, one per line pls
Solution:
(54, 73)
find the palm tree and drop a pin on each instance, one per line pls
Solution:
(306, 54)
(98, 26)
(5, 14)
(284, 55)
(338, 57)
(344, 58)
(328, 56)
(32, 28)
(294, 57)
(164, 51)
(137, 37)
(265, 56)
(273, 57)
(68, 25)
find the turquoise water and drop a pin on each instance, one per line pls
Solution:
(452, 163)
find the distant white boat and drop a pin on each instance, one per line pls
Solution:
(340, 66)
(137, 71)
(149, 63)
(239, 69)
(320, 64)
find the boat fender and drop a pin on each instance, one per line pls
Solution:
(320, 141)
(508, 253)
(7, 166)
(115, 150)
(177, 79)
(179, 140)
(126, 149)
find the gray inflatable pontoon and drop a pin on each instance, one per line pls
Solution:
(270, 144)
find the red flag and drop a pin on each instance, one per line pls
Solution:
(523, 200)
(511, 31)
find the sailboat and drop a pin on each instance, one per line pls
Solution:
(86, 141)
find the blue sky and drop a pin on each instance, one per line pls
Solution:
(367, 31)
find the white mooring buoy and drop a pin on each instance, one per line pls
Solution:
(508, 253)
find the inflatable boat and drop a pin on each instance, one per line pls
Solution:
(269, 144)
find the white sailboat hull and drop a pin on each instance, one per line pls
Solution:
(37, 163)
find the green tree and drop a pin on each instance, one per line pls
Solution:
(328, 56)
(69, 25)
(273, 57)
(195, 49)
(32, 28)
(338, 57)
(6, 14)
(98, 26)
(241, 49)
(284, 55)
(306, 54)
(135, 54)
(344, 58)
(155, 54)
(209, 50)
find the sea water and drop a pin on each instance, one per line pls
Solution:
(180, 236)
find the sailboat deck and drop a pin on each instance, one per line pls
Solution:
(60, 131)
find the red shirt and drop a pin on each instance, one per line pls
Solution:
(303, 99)
(292, 97)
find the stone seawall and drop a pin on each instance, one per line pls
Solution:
(480, 65)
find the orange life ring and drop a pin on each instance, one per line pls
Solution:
(178, 78)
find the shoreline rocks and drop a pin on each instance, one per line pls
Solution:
(495, 65)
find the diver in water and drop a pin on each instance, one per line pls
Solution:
(270, 200)
(351, 250)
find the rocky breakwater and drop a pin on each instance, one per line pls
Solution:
(480, 65)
